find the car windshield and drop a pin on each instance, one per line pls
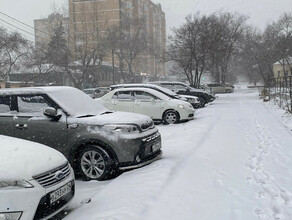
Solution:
(88, 91)
(76, 103)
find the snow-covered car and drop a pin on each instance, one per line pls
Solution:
(96, 141)
(220, 88)
(148, 102)
(36, 181)
(184, 89)
(191, 99)
(94, 92)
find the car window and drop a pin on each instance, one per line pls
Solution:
(144, 96)
(5, 105)
(32, 105)
(123, 95)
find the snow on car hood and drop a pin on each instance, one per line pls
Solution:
(21, 159)
(115, 118)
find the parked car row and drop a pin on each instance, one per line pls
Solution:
(96, 141)
(66, 132)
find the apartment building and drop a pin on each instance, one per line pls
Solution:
(91, 18)
(44, 27)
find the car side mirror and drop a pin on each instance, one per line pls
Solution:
(52, 113)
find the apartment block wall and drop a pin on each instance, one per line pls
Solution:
(88, 17)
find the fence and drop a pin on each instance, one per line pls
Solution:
(279, 91)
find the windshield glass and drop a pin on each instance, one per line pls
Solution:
(76, 103)
(88, 91)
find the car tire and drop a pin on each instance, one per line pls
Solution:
(170, 117)
(228, 91)
(202, 102)
(94, 163)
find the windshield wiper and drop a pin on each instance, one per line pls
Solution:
(107, 112)
(85, 116)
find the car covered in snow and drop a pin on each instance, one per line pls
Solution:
(220, 88)
(193, 100)
(96, 141)
(149, 102)
(184, 89)
(36, 181)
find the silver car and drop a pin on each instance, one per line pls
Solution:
(96, 141)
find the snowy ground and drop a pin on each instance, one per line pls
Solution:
(233, 162)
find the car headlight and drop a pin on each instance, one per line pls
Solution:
(17, 184)
(10, 215)
(125, 129)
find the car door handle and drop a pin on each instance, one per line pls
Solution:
(21, 126)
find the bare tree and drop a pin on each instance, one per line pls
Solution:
(13, 47)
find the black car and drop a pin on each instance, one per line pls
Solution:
(183, 89)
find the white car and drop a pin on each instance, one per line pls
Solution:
(220, 88)
(148, 102)
(36, 182)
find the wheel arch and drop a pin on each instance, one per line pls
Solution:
(170, 109)
(77, 148)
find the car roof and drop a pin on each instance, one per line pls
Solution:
(33, 90)
(149, 90)
(168, 82)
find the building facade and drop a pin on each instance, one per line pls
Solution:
(90, 19)
(44, 27)
(283, 68)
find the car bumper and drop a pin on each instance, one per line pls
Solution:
(140, 151)
(142, 164)
(186, 114)
(29, 202)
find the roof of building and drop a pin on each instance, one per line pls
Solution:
(287, 60)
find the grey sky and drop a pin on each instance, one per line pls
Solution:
(260, 11)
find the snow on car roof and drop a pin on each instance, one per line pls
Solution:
(75, 102)
(32, 90)
(21, 159)
(165, 90)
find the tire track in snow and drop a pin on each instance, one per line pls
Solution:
(280, 199)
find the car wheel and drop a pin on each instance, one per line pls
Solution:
(228, 91)
(202, 102)
(94, 163)
(170, 117)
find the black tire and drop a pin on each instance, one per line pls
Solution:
(94, 163)
(202, 102)
(170, 117)
(228, 91)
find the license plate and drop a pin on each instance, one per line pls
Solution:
(156, 147)
(59, 193)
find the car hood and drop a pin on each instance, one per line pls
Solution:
(21, 159)
(111, 117)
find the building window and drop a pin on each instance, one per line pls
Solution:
(279, 74)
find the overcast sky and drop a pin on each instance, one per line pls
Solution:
(260, 11)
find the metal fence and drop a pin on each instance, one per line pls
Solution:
(279, 90)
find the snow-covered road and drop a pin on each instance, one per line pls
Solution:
(233, 162)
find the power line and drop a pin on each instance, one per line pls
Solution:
(16, 27)
(30, 39)
(23, 23)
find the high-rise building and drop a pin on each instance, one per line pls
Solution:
(95, 17)
(90, 19)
